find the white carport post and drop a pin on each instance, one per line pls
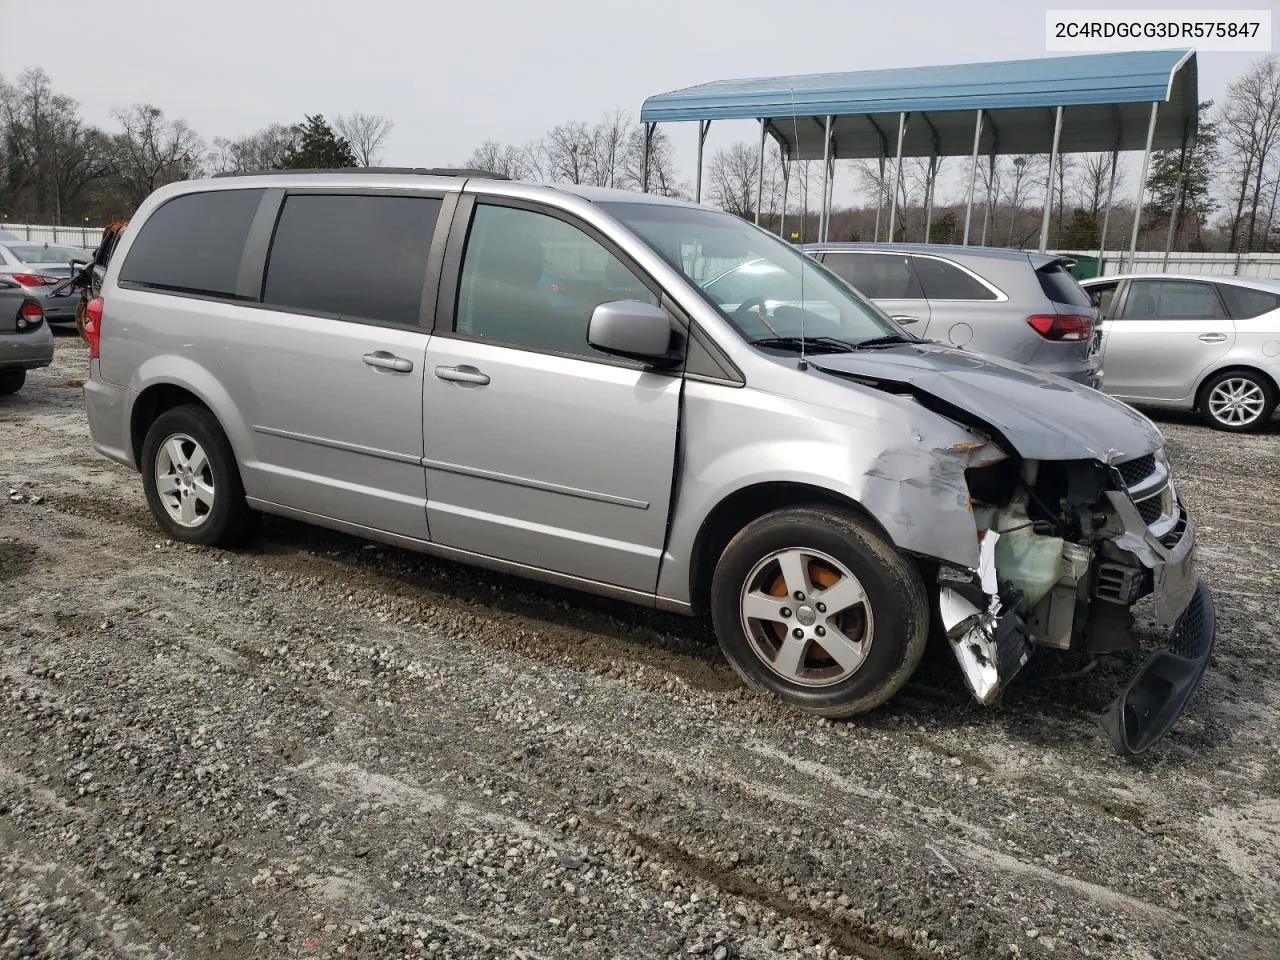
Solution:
(1053, 174)
(764, 127)
(786, 191)
(973, 176)
(704, 126)
(897, 174)
(879, 197)
(1142, 185)
(1106, 217)
(826, 170)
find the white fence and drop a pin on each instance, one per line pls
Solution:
(85, 237)
(1217, 264)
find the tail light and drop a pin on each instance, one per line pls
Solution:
(93, 327)
(30, 316)
(1058, 326)
(32, 279)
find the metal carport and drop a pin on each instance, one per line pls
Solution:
(1144, 100)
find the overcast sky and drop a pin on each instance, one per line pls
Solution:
(454, 74)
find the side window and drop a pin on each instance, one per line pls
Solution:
(1245, 303)
(531, 280)
(1172, 300)
(357, 256)
(193, 243)
(877, 276)
(1101, 297)
(946, 281)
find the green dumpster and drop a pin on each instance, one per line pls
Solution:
(1084, 268)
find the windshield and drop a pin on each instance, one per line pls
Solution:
(766, 288)
(47, 253)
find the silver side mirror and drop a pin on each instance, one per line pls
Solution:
(632, 328)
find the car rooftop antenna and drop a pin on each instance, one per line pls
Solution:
(795, 125)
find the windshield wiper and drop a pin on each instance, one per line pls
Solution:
(818, 344)
(886, 341)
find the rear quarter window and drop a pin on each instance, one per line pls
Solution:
(193, 243)
(945, 281)
(1061, 287)
(1245, 303)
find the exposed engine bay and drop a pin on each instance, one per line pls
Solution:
(1066, 549)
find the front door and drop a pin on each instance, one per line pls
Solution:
(1163, 336)
(539, 449)
(333, 362)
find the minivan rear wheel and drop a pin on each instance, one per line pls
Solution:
(1238, 400)
(191, 480)
(813, 605)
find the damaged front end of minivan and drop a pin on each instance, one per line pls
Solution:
(1077, 519)
(1067, 547)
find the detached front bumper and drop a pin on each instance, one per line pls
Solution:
(993, 632)
(1162, 689)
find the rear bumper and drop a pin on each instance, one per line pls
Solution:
(26, 351)
(107, 407)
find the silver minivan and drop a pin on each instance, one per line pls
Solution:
(544, 380)
(1025, 307)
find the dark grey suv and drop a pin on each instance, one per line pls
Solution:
(1021, 306)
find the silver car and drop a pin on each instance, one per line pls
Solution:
(25, 341)
(1190, 342)
(40, 267)
(1021, 306)
(545, 381)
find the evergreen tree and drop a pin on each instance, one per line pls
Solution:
(316, 147)
(1195, 202)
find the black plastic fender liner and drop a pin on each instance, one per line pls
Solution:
(1161, 690)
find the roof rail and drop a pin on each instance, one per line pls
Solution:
(416, 171)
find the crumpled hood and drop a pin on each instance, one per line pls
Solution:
(1041, 417)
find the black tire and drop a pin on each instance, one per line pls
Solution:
(11, 381)
(230, 520)
(895, 594)
(1255, 381)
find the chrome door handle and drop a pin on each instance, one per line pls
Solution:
(462, 375)
(1213, 337)
(387, 361)
(905, 319)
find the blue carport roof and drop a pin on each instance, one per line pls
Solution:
(1106, 96)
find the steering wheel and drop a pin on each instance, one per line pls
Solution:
(749, 307)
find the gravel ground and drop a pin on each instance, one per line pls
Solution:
(319, 747)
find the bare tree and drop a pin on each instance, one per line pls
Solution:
(609, 141)
(567, 153)
(506, 159)
(1250, 126)
(663, 178)
(366, 132)
(734, 176)
(1091, 182)
(150, 151)
(1028, 172)
(267, 149)
(52, 155)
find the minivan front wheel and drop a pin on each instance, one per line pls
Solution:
(192, 484)
(812, 605)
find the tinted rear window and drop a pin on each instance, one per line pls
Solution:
(194, 243)
(355, 256)
(1245, 303)
(1061, 287)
